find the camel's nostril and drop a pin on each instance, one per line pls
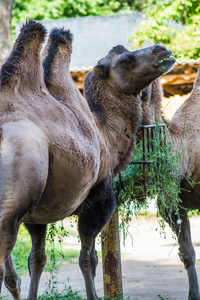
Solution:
(158, 48)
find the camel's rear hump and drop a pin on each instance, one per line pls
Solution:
(57, 38)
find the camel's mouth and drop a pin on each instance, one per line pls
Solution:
(167, 59)
(165, 64)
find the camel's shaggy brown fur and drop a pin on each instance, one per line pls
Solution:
(184, 132)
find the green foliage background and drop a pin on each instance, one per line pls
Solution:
(156, 28)
(53, 9)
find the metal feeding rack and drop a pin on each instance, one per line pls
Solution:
(146, 134)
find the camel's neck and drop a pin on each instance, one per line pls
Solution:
(120, 130)
(151, 105)
(118, 117)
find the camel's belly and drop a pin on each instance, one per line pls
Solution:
(61, 198)
(68, 184)
(55, 208)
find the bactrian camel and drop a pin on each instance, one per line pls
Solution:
(183, 132)
(58, 157)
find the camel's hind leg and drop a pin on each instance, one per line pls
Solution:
(12, 280)
(97, 211)
(37, 257)
(187, 256)
(186, 252)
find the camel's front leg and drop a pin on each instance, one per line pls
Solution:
(187, 256)
(97, 211)
(88, 261)
(9, 226)
(37, 257)
(12, 280)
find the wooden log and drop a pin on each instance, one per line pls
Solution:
(111, 258)
(176, 79)
(172, 90)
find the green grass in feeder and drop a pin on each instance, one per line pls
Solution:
(162, 180)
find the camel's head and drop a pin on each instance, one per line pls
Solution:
(132, 72)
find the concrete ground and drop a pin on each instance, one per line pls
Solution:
(151, 267)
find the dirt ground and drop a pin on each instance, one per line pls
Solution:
(151, 268)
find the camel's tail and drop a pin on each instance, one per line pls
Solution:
(24, 65)
(54, 48)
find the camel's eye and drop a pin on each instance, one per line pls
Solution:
(127, 61)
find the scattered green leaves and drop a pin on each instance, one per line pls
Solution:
(66, 294)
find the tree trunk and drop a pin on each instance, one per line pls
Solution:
(5, 29)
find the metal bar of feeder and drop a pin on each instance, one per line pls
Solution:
(140, 162)
(144, 159)
(152, 137)
(148, 141)
(150, 132)
(150, 126)
(148, 144)
(161, 135)
(143, 143)
(120, 182)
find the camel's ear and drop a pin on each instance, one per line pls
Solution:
(101, 70)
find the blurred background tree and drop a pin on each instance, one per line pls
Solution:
(5, 29)
(157, 29)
